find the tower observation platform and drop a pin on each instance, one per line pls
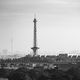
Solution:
(35, 48)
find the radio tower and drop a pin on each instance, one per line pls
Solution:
(35, 48)
(12, 45)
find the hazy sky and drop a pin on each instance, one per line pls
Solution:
(58, 25)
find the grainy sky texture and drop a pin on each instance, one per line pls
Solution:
(58, 25)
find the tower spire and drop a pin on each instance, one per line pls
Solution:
(35, 48)
(35, 15)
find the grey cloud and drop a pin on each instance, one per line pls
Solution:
(29, 6)
(18, 6)
(20, 2)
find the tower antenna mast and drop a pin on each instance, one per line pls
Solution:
(12, 45)
(35, 48)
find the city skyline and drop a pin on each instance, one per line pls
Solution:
(58, 26)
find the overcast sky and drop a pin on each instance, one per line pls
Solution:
(58, 26)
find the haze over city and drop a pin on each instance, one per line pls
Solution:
(58, 25)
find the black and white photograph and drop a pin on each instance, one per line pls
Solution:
(39, 39)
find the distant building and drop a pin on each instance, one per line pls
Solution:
(63, 55)
(4, 51)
